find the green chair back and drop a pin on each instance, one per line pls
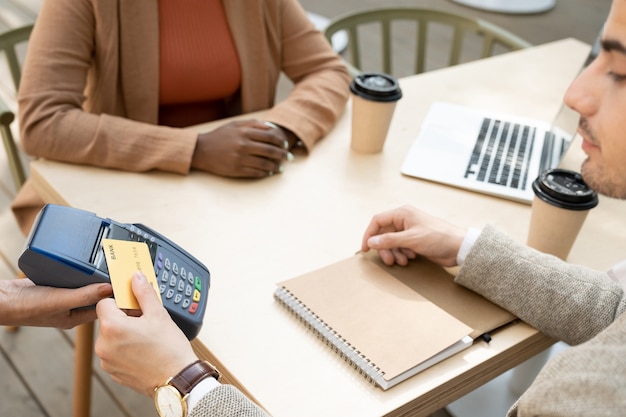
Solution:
(426, 22)
(9, 42)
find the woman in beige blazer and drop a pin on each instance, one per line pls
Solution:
(90, 89)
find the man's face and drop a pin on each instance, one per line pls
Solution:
(599, 96)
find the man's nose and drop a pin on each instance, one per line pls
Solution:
(582, 94)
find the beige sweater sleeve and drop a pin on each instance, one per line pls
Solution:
(569, 302)
(226, 401)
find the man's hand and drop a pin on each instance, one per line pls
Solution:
(141, 352)
(403, 233)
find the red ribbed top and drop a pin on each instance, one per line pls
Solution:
(199, 66)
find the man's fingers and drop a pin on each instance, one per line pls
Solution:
(145, 293)
(106, 308)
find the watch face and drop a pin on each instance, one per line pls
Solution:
(169, 403)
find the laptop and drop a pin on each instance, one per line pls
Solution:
(493, 153)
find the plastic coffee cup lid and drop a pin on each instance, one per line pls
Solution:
(565, 189)
(376, 86)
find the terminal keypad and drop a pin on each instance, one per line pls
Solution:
(179, 286)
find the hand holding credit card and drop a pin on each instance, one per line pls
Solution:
(123, 259)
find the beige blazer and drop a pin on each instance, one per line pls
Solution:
(578, 305)
(89, 90)
(226, 401)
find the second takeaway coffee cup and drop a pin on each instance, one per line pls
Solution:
(561, 204)
(374, 98)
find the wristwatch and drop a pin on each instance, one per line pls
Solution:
(170, 399)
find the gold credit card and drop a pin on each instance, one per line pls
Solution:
(123, 259)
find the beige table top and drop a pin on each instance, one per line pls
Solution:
(254, 233)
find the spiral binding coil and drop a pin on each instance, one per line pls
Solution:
(341, 346)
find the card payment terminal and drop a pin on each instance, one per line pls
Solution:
(64, 249)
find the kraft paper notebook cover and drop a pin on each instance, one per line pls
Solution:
(389, 322)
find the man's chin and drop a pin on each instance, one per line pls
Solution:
(590, 176)
(595, 177)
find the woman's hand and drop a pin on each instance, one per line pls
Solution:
(244, 148)
(23, 303)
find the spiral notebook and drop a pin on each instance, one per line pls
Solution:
(389, 323)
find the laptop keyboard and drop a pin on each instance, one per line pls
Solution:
(501, 154)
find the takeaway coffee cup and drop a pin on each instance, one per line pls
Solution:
(561, 204)
(374, 98)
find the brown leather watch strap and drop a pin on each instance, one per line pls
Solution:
(189, 377)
